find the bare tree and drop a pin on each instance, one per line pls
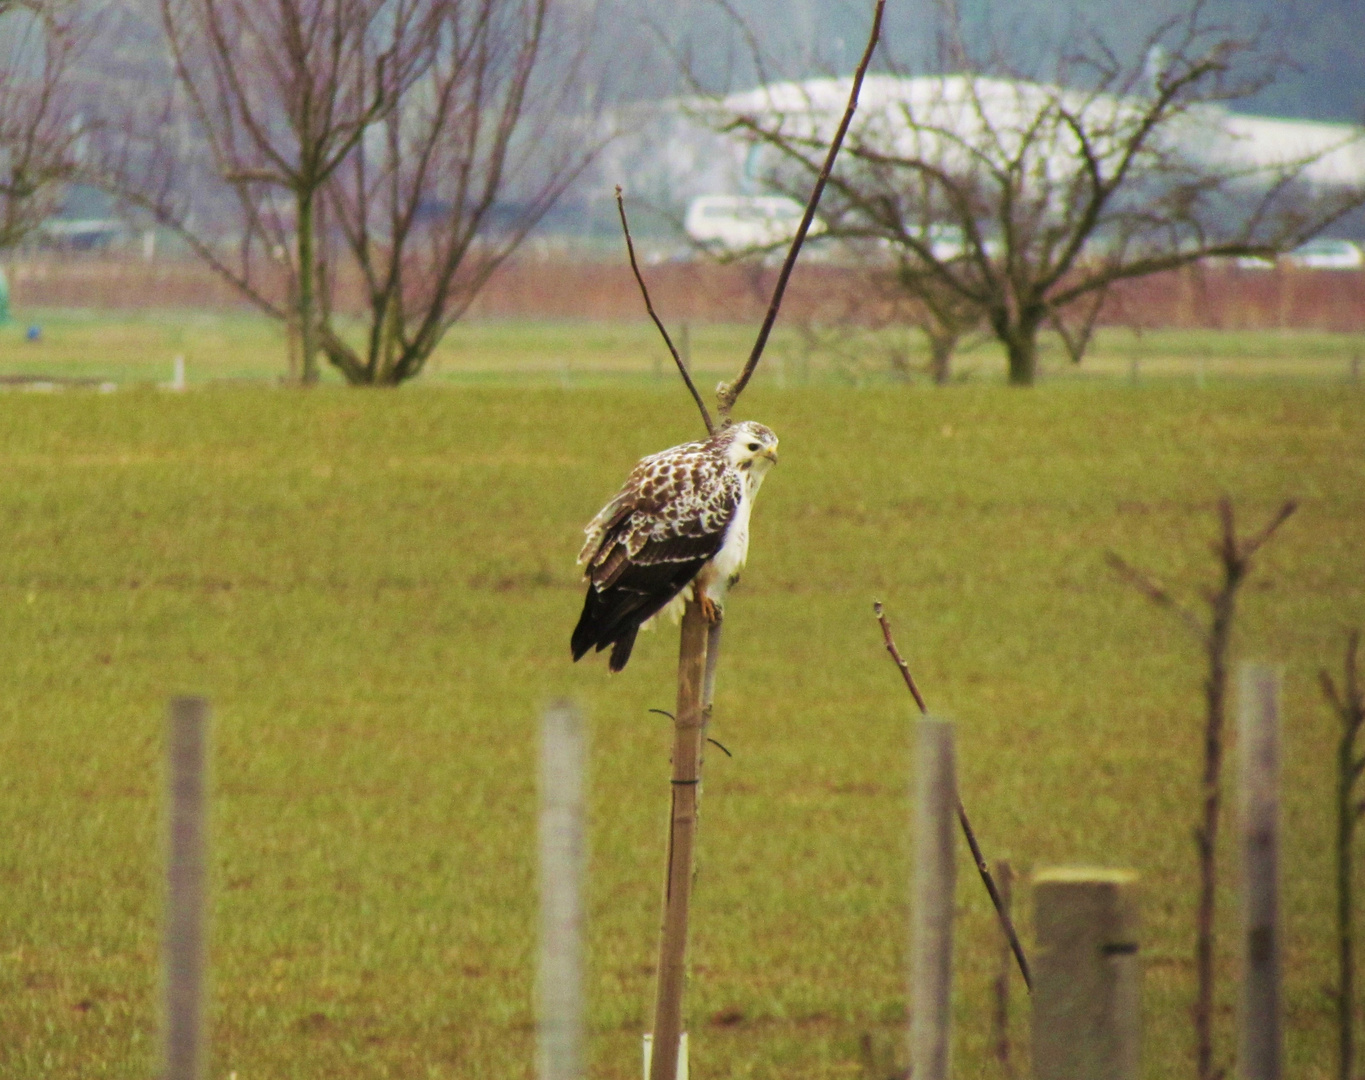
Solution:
(1234, 556)
(407, 144)
(477, 131)
(279, 95)
(39, 40)
(1024, 202)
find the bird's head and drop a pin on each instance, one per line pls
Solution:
(751, 447)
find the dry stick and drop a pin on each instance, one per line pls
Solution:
(1000, 1020)
(682, 368)
(729, 393)
(1349, 705)
(1216, 640)
(1001, 910)
(688, 736)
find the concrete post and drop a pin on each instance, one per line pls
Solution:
(931, 945)
(1087, 978)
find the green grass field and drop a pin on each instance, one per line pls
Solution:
(376, 591)
(139, 348)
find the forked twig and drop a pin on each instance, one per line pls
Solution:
(1006, 923)
(682, 368)
(728, 393)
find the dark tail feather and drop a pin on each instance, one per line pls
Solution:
(584, 634)
(621, 652)
(613, 616)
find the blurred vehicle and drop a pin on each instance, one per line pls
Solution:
(735, 223)
(1325, 254)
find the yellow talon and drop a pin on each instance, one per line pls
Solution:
(709, 611)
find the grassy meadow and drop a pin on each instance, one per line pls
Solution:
(131, 348)
(376, 591)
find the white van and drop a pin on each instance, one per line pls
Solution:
(735, 223)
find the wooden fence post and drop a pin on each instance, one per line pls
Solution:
(1087, 978)
(183, 945)
(1260, 1042)
(563, 866)
(931, 946)
(689, 732)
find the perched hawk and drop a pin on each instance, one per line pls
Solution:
(681, 518)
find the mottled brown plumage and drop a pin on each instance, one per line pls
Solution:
(681, 513)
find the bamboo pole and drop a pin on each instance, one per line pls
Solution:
(688, 735)
(931, 945)
(1087, 979)
(562, 870)
(183, 946)
(1260, 1041)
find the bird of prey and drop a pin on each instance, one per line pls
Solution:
(682, 519)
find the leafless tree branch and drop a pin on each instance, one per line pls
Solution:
(649, 306)
(1024, 198)
(1001, 908)
(728, 394)
(38, 128)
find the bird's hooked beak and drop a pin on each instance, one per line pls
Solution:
(770, 454)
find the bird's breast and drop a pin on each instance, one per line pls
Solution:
(734, 549)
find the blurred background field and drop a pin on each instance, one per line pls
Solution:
(130, 348)
(376, 591)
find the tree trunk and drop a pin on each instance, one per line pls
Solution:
(1022, 351)
(941, 357)
(308, 340)
(1018, 333)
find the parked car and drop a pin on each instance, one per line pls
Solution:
(1325, 254)
(736, 223)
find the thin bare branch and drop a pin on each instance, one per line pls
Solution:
(982, 868)
(896, 656)
(728, 394)
(1250, 547)
(649, 306)
(1154, 591)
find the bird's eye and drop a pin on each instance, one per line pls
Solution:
(753, 446)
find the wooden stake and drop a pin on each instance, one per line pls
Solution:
(688, 735)
(1087, 980)
(562, 870)
(931, 970)
(183, 946)
(1260, 1043)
